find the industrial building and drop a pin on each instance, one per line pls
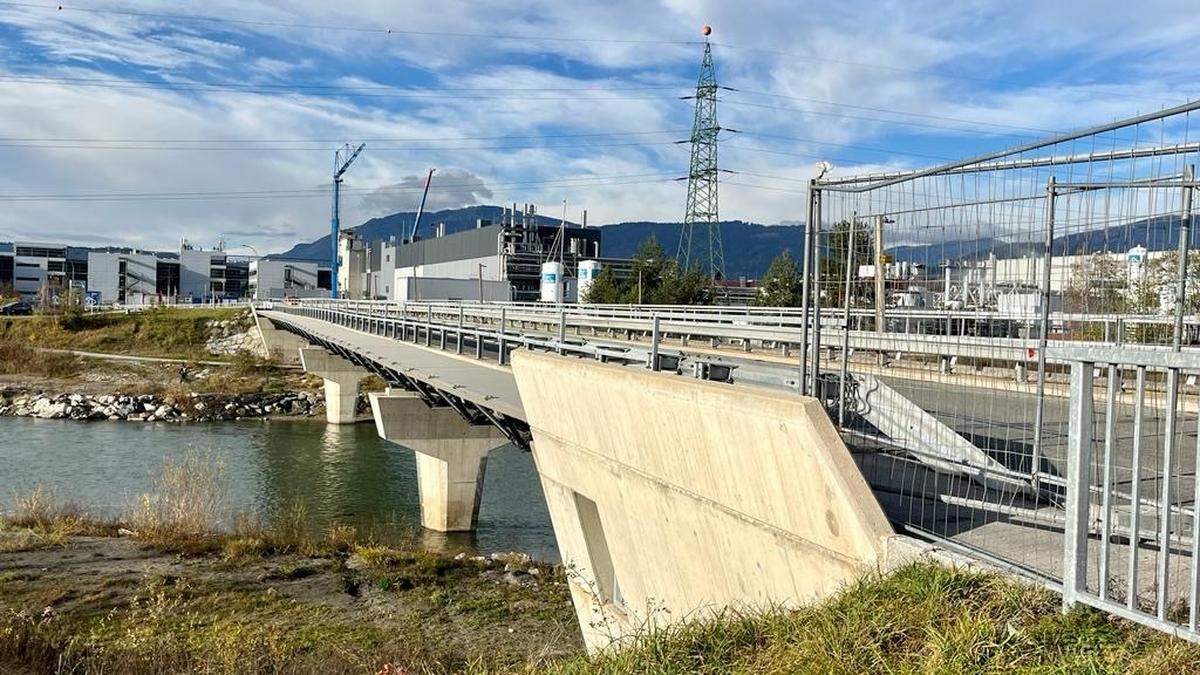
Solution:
(275, 278)
(502, 259)
(122, 275)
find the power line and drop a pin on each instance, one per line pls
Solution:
(323, 148)
(568, 182)
(497, 36)
(381, 139)
(352, 29)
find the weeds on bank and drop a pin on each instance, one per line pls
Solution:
(17, 358)
(923, 618)
(39, 519)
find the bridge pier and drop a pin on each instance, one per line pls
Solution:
(451, 456)
(341, 383)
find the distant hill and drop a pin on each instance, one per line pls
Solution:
(750, 247)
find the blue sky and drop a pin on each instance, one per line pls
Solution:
(551, 101)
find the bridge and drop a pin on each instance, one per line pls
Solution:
(696, 458)
(914, 465)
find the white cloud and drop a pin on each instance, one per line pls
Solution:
(1000, 64)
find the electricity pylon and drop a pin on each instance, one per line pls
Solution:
(702, 178)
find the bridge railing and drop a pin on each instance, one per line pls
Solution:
(1132, 538)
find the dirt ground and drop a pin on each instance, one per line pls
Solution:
(112, 600)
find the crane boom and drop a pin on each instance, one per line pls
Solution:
(421, 209)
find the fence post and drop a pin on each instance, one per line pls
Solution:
(1078, 497)
(1043, 340)
(851, 235)
(806, 287)
(1185, 224)
(816, 300)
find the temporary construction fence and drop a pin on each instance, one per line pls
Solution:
(958, 323)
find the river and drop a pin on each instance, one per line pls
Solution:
(343, 474)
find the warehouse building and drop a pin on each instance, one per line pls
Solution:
(278, 278)
(507, 258)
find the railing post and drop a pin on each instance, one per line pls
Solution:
(562, 328)
(461, 322)
(655, 337)
(503, 321)
(1078, 494)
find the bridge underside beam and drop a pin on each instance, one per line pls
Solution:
(689, 496)
(451, 456)
(341, 383)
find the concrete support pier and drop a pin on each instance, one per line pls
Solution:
(451, 456)
(673, 497)
(341, 383)
(279, 345)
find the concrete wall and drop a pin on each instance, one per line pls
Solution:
(439, 288)
(669, 493)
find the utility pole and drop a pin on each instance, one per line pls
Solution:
(481, 266)
(701, 207)
(342, 159)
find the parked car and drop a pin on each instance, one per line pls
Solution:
(16, 308)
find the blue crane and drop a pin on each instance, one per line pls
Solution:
(342, 159)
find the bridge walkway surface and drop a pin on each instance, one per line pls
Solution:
(485, 384)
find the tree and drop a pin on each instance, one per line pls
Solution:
(654, 279)
(1098, 284)
(833, 263)
(605, 289)
(781, 286)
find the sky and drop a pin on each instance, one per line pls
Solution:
(142, 123)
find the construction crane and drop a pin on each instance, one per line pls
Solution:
(421, 208)
(342, 159)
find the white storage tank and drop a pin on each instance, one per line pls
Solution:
(552, 282)
(588, 271)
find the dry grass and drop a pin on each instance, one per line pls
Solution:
(18, 358)
(39, 519)
(186, 505)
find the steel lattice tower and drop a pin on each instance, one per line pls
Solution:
(702, 178)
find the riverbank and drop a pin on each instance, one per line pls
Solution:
(42, 374)
(178, 407)
(91, 604)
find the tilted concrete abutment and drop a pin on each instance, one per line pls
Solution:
(673, 497)
(341, 383)
(451, 456)
(279, 345)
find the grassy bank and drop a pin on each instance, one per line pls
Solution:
(175, 594)
(166, 333)
(171, 333)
